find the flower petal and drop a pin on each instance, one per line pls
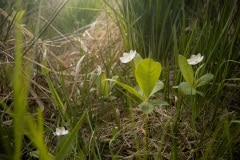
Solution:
(195, 59)
(127, 57)
(61, 131)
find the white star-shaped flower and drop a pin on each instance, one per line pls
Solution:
(60, 131)
(195, 59)
(127, 57)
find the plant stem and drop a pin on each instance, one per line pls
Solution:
(146, 135)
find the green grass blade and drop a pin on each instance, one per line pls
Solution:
(19, 91)
(66, 147)
(129, 89)
(57, 99)
(36, 135)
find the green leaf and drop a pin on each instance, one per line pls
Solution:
(137, 59)
(97, 80)
(112, 83)
(186, 88)
(146, 107)
(200, 93)
(159, 102)
(36, 154)
(159, 86)
(104, 87)
(56, 96)
(205, 79)
(147, 74)
(186, 69)
(128, 88)
(137, 88)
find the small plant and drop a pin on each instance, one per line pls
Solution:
(146, 73)
(192, 81)
(103, 87)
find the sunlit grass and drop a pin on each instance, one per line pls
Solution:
(71, 96)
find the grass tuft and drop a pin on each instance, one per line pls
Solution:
(60, 68)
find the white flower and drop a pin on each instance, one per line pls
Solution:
(60, 131)
(195, 59)
(99, 70)
(127, 57)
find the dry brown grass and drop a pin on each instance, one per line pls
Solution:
(99, 41)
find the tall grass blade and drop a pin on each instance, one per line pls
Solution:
(36, 135)
(20, 91)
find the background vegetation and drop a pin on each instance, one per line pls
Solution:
(51, 53)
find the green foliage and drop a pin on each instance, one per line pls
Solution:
(205, 79)
(130, 89)
(104, 87)
(66, 146)
(20, 92)
(146, 107)
(192, 127)
(186, 69)
(24, 124)
(192, 81)
(62, 16)
(186, 88)
(153, 27)
(147, 73)
(35, 132)
(146, 25)
(76, 14)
